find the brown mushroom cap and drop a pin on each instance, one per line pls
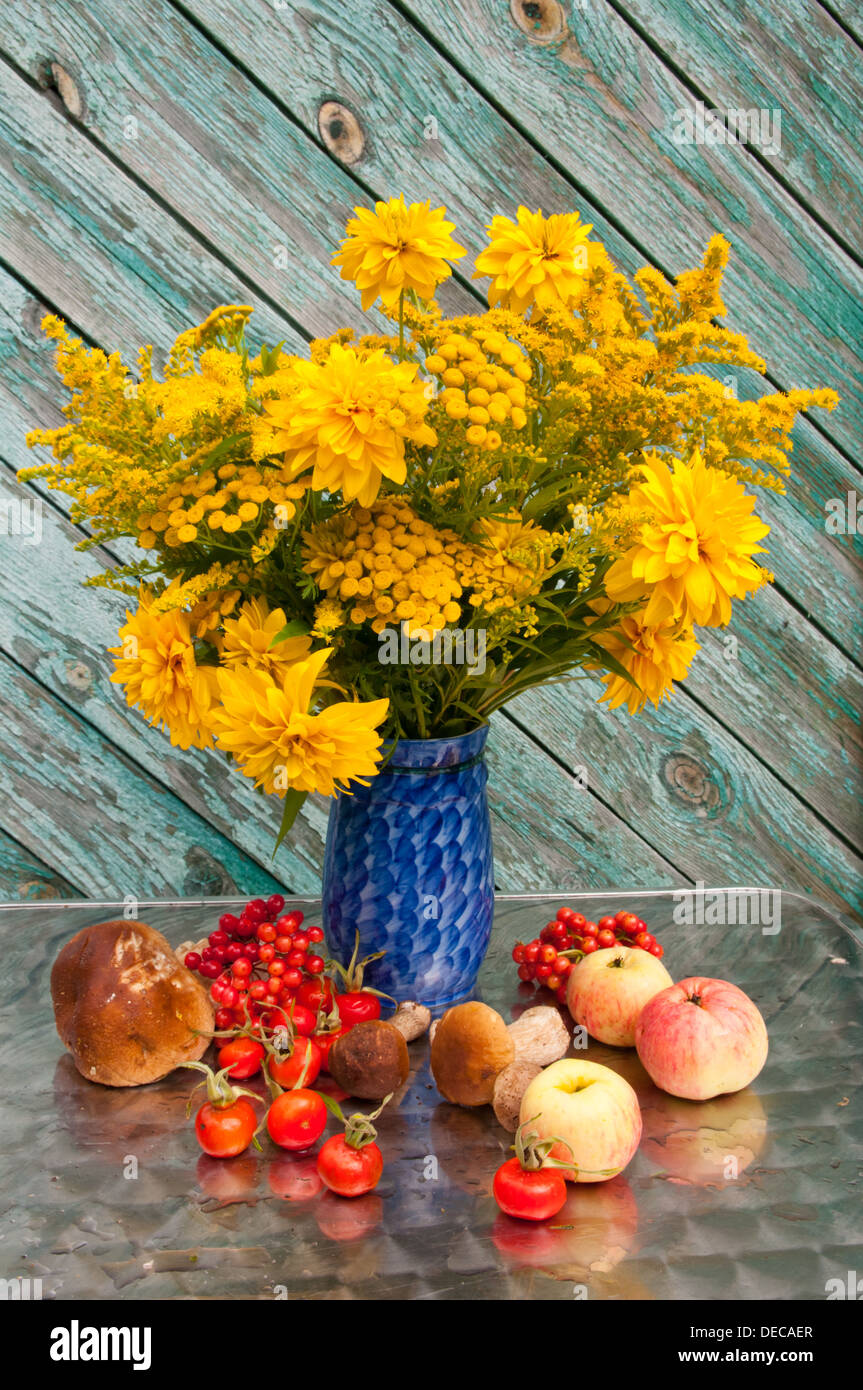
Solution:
(125, 1007)
(471, 1046)
(370, 1061)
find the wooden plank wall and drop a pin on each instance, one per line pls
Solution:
(157, 158)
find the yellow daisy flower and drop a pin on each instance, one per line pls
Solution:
(535, 260)
(655, 657)
(397, 248)
(248, 639)
(155, 664)
(338, 421)
(267, 726)
(694, 554)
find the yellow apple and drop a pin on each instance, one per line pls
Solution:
(608, 989)
(589, 1108)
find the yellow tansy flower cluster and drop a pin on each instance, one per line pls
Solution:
(221, 500)
(483, 378)
(387, 566)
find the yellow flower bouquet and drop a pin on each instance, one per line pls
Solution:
(390, 538)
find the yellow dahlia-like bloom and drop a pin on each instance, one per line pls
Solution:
(155, 664)
(397, 248)
(535, 260)
(694, 554)
(248, 639)
(348, 420)
(266, 725)
(655, 658)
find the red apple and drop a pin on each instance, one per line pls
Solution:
(592, 1110)
(701, 1038)
(608, 989)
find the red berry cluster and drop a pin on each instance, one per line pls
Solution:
(257, 963)
(543, 960)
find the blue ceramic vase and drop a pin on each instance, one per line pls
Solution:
(408, 864)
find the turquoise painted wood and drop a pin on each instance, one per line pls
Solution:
(157, 158)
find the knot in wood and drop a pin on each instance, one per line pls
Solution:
(68, 90)
(341, 132)
(692, 783)
(79, 676)
(542, 21)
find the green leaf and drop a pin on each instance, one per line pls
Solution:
(270, 358)
(292, 804)
(295, 628)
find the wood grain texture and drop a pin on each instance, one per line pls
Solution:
(602, 106)
(792, 56)
(24, 878)
(257, 189)
(712, 808)
(89, 808)
(474, 163)
(93, 242)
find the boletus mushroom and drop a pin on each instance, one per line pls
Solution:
(371, 1060)
(471, 1045)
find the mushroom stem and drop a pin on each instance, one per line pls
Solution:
(411, 1019)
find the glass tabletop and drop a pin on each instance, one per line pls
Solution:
(753, 1195)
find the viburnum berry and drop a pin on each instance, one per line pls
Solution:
(315, 934)
(589, 929)
(606, 923)
(656, 950)
(228, 923)
(518, 953)
(275, 905)
(588, 945)
(315, 964)
(642, 940)
(566, 915)
(525, 972)
(192, 960)
(605, 937)
(531, 952)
